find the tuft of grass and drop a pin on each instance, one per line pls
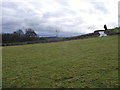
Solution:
(86, 63)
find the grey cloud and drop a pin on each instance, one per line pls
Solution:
(100, 6)
(119, 13)
(67, 10)
(60, 13)
(19, 15)
(55, 14)
(63, 2)
(10, 5)
(16, 15)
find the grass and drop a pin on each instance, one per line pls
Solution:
(117, 30)
(86, 63)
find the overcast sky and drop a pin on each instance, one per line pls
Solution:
(69, 17)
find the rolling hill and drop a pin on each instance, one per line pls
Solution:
(114, 31)
(81, 63)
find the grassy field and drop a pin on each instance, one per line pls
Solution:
(89, 63)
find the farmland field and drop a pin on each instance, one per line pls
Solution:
(84, 63)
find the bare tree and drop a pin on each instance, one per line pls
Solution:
(30, 33)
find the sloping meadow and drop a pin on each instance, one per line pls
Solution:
(84, 63)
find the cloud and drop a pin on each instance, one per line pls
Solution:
(101, 7)
(119, 14)
(70, 17)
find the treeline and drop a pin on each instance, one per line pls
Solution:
(20, 36)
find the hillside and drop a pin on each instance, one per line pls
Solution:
(114, 31)
(89, 63)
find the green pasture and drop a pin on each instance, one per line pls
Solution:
(83, 63)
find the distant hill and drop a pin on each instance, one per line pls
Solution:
(114, 31)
